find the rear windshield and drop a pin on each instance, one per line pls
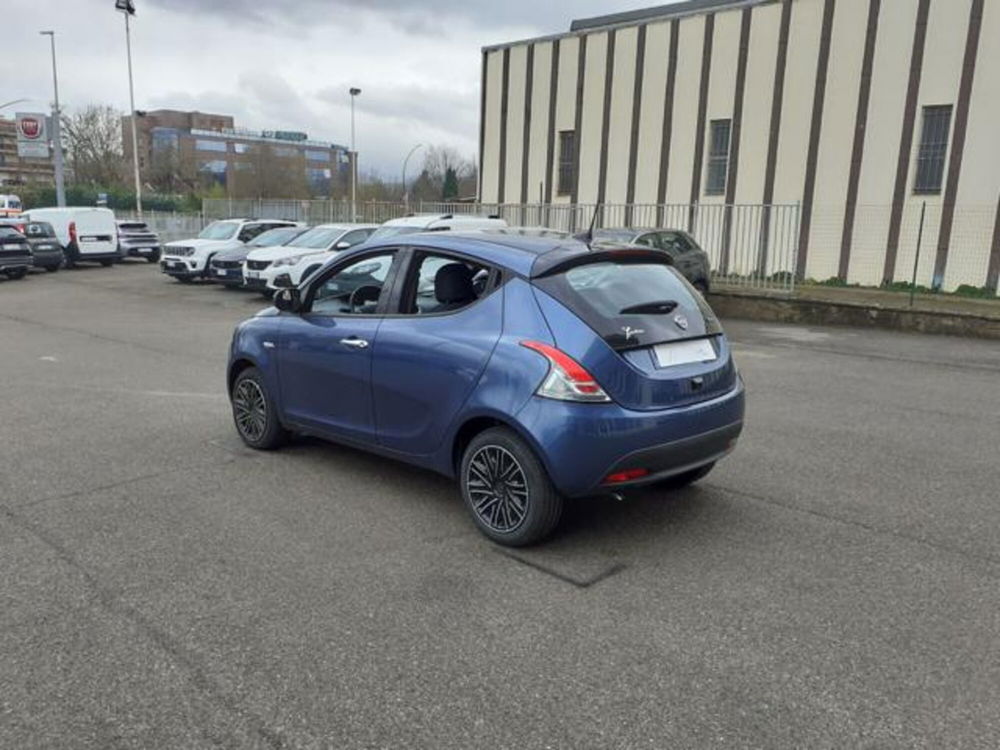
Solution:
(633, 304)
(39, 229)
(133, 225)
(382, 232)
(219, 230)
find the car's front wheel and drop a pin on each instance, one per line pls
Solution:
(253, 412)
(18, 274)
(507, 490)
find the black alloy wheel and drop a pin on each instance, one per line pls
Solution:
(253, 412)
(507, 490)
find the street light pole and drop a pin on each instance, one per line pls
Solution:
(406, 193)
(354, 161)
(57, 152)
(128, 8)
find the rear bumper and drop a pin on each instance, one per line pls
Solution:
(45, 258)
(140, 251)
(16, 263)
(581, 444)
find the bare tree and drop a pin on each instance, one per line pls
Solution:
(94, 142)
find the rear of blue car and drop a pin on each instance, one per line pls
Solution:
(636, 381)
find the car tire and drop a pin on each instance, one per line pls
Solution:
(153, 258)
(51, 269)
(183, 279)
(107, 263)
(267, 293)
(18, 274)
(528, 506)
(254, 413)
(701, 285)
(688, 477)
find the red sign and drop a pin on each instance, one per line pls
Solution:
(31, 128)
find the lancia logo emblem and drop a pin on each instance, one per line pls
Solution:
(630, 332)
(681, 321)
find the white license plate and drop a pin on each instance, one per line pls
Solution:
(684, 352)
(252, 275)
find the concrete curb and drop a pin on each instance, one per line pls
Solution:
(750, 306)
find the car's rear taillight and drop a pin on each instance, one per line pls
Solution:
(566, 380)
(72, 231)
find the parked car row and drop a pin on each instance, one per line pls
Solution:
(54, 238)
(266, 255)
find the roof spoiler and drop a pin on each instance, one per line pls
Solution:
(559, 260)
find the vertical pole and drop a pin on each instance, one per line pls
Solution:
(57, 155)
(354, 168)
(135, 137)
(916, 256)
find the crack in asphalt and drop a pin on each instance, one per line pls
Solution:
(971, 556)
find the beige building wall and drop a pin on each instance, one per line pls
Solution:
(690, 44)
(890, 74)
(620, 123)
(538, 135)
(969, 243)
(490, 158)
(654, 86)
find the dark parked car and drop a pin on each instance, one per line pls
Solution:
(531, 369)
(15, 253)
(45, 248)
(137, 240)
(688, 257)
(227, 265)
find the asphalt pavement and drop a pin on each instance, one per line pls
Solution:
(834, 583)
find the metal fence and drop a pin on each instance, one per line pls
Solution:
(751, 246)
(168, 225)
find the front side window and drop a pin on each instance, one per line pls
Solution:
(718, 157)
(933, 150)
(567, 162)
(354, 289)
(440, 284)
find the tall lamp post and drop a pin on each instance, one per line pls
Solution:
(57, 153)
(406, 192)
(354, 160)
(128, 9)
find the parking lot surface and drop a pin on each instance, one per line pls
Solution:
(834, 583)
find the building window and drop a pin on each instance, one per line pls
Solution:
(210, 145)
(933, 150)
(567, 162)
(718, 157)
(318, 155)
(284, 152)
(241, 148)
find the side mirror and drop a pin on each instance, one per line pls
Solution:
(342, 245)
(288, 300)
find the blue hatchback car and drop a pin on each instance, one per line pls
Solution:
(532, 369)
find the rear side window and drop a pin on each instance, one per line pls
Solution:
(633, 304)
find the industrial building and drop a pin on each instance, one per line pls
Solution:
(863, 115)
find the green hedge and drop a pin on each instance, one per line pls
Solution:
(43, 196)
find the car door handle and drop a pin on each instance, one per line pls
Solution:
(354, 342)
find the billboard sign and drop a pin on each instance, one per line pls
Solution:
(32, 135)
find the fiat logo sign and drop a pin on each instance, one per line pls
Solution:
(31, 127)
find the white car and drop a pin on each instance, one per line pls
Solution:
(437, 223)
(86, 233)
(270, 268)
(186, 260)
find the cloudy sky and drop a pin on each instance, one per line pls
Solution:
(286, 64)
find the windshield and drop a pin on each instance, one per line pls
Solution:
(317, 238)
(278, 236)
(382, 232)
(219, 230)
(632, 304)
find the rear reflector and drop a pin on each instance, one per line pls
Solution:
(625, 476)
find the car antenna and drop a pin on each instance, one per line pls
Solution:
(589, 238)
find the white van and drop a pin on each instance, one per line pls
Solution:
(10, 205)
(86, 233)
